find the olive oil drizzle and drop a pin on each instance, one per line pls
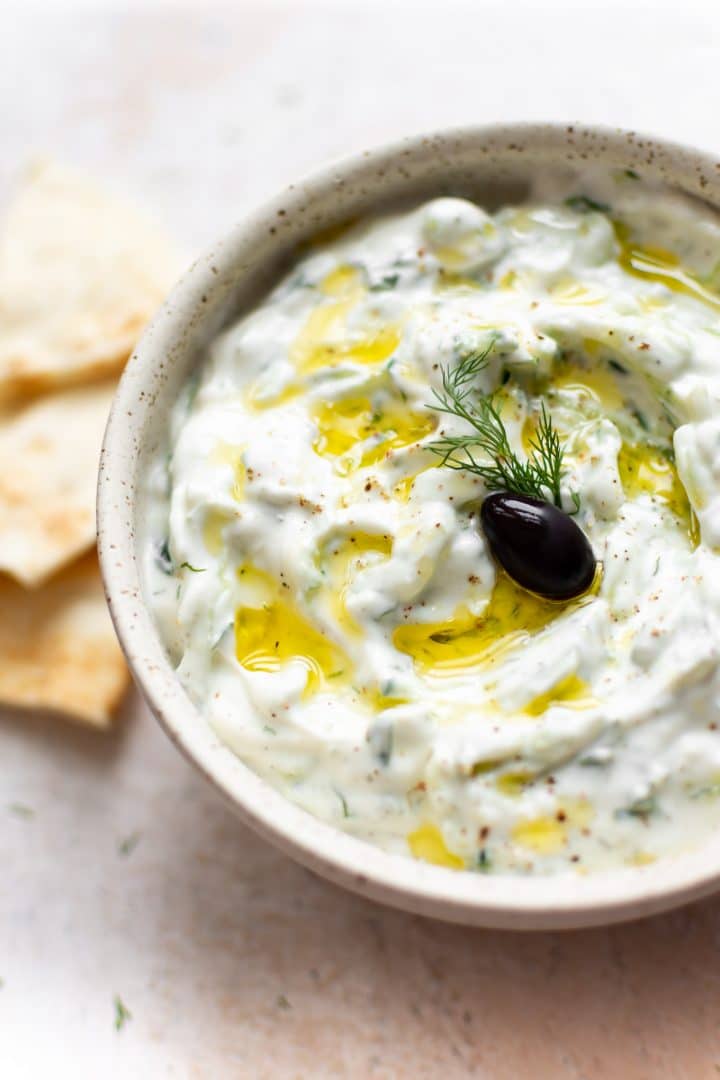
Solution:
(271, 632)
(662, 266)
(357, 431)
(469, 641)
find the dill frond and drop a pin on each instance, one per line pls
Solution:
(486, 451)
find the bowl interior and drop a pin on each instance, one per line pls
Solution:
(492, 166)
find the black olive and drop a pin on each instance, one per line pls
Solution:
(539, 546)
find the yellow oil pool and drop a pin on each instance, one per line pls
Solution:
(325, 340)
(569, 291)
(359, 433)
(427, 843)
(596, 381)
(466, 640)
(645, 470)
(340, 560)
(227, 454)
(547, 835)
(270, 632)
(662, 266)
(572, 692)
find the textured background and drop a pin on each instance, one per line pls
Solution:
(233, 961)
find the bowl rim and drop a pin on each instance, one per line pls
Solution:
(504, 901)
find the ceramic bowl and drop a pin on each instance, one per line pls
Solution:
(492, 164)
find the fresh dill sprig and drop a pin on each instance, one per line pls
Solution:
(505, 471)
(546, 457)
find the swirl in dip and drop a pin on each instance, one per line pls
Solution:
(321, 581)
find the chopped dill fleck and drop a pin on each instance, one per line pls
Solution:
(592, 762)
(122, 1013)
(128, 843)
(641, 808)
(584, 204)
(193, 569)
(483, 863)
(343, 800)
(388, 281)
(641, 419)
(381, 738)
(192, 386)
(710, 791)
(163, 558)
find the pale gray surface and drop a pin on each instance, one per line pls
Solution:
(233, 961)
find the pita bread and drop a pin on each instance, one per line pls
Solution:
(58, 649)
(80, 275)
(49, 455)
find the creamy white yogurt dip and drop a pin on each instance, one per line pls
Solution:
(322, 584)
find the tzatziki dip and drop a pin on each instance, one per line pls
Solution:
(316, 557)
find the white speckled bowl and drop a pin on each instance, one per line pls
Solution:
(491, 164)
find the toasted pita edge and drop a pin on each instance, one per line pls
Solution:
(58, 649)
